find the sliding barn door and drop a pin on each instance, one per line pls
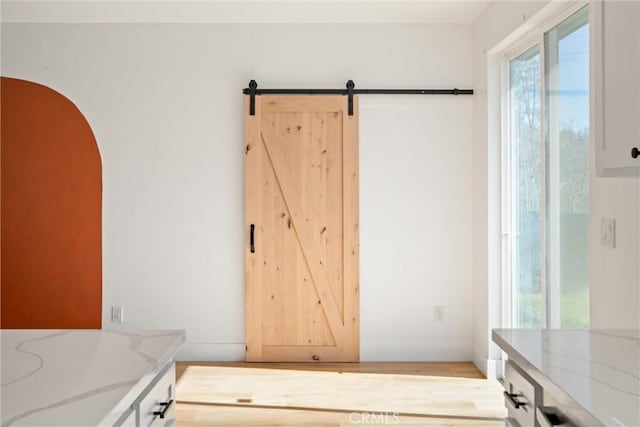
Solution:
(301, 202)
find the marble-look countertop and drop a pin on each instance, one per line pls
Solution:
(78, 377)
(598, 369)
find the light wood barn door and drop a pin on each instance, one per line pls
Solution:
(301, 198)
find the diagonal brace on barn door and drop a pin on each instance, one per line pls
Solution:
(309, 250)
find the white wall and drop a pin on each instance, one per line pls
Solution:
(615, 273)
(164, 102)
(416, 209)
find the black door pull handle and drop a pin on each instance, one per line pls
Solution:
(511, 397)
(165, 408)
(251, 240)
(635, 152)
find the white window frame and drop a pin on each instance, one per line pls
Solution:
(528, 40)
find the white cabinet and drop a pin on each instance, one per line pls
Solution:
(521, 396)
(154, 407)
(615, 124)
(529, 404)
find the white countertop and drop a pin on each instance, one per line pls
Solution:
(78, 377)
(599, 369)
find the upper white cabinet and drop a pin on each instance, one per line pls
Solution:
(616, 86)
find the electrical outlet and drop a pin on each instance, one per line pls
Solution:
(117, 314)
(438, 313)
(608, 233)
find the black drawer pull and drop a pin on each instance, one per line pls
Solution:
(511, 397)
(164, 410)
(251, 239)
(635, 152)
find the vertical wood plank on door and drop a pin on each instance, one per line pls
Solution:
(288, 144)
(254, 267)
(328, 133)
(317, 330)
(351, 239)
(333, 235)
(271, 295)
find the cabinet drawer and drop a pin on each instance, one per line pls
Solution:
(521, 396)
(549, 416)
(160, 398)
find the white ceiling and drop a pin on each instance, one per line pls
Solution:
(245, 11)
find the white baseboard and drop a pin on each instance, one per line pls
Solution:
(480, 361)
(211, 352)
(453, 351)
(491, 368)
(441, 351)
(494, 369)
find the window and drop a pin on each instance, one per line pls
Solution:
(548, 173)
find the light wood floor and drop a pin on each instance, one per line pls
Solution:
(332, 394)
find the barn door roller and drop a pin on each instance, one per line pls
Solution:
(350, 91)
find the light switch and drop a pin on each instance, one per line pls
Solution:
(117, 314)
(438, 313)
(608, 233)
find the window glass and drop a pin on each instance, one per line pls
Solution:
(526, 153)
(567, 172)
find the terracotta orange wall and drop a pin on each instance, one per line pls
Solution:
(51, 201)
